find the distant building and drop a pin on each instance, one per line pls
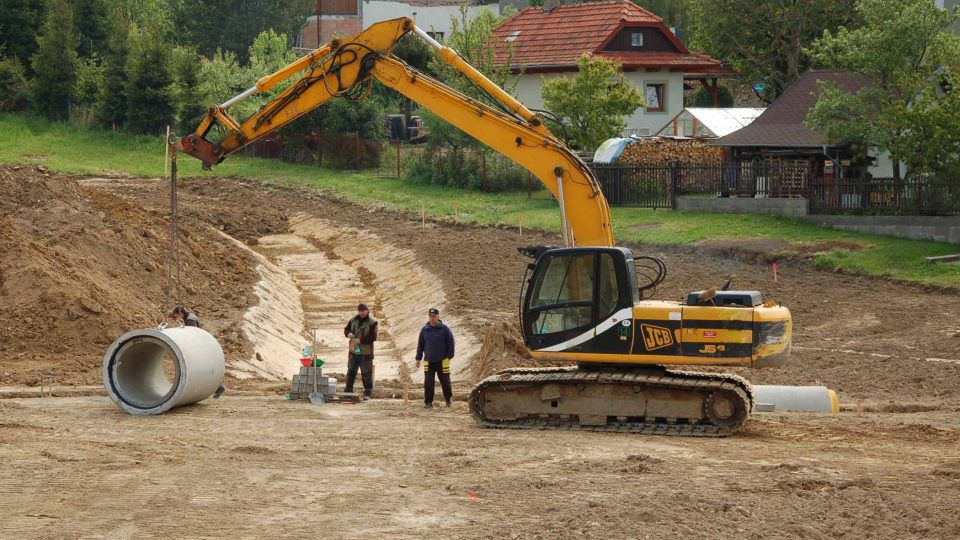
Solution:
(950, 4)
(707, 123)
(548, 41)
(347, 17)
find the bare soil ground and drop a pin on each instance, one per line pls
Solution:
(79, 467)
(82, 261)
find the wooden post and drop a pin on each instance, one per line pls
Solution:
(358, 151)
(483, 181)
(398, 159)
(423, 216)
(456, 210)
(529, 187)
(674, 183)
(521, 225)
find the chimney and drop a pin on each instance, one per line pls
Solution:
(550, 5)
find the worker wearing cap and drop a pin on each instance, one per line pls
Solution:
(362, 331)
(436, 345)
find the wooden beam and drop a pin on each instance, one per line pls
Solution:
(943, 258)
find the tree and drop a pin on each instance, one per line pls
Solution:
(14, 89)
(906, 48)
(594, 103)
(93, 25)
(150, 97)
(232, 25)
(55, 62)
(191, 104)
(20, 21)
(471, 38)
(453, 157)
(764, 40)
(675, 13)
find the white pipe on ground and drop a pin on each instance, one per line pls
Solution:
(133, 369)
(768, 398)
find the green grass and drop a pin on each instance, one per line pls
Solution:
(72, 150)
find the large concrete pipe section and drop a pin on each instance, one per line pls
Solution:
(769, 398)
(134, 375)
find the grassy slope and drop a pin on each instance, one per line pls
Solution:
(66, 149)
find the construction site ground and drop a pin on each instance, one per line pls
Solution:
(82, 260)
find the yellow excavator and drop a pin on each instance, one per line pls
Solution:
(581, 303)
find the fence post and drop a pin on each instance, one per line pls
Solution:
(674, 183)
(398, 160)
(919, 198)
(529, 187)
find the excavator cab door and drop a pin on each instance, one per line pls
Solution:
(571, 292)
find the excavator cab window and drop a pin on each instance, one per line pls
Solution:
(561, 298)
(571, 292)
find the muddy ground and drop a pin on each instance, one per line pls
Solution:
(83, 260)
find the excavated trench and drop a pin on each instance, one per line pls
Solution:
(311, 280)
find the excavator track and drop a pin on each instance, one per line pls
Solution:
(654, 402)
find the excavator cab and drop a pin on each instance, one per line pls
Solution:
(575, 295)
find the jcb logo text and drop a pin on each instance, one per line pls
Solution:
(655, 337)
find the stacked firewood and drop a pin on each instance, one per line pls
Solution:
(665, 151)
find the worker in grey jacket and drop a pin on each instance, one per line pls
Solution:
(436, 344)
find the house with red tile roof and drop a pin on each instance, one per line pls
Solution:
(546, 43)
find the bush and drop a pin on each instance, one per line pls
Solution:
(464, 168)
(14, 89)
(701, 98)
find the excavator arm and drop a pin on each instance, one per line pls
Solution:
(346, 67)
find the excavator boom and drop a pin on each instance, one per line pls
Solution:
(344, 68)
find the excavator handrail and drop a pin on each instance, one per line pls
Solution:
(344, 66)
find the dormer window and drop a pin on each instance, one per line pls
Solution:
(636, 39)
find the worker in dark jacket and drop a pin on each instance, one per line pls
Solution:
(187, 318)
(436, 346)
(362, 331)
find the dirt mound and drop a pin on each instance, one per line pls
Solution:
(79, 267)
(503, 348)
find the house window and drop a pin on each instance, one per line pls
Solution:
(656, 93)
(513, 36)
(636, 39)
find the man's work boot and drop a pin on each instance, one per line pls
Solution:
(449, 404)
(428, 405)
(366, 397)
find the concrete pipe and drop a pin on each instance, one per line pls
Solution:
(795, 398)
(152, 371)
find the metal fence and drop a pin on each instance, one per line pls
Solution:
(918, 195)
(658, 186)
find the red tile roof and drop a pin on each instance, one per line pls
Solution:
(782, 124)
(555, 40)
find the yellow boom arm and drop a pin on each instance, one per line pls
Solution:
(344, 66)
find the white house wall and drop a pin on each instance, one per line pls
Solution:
(529, 85)
(430, 18)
